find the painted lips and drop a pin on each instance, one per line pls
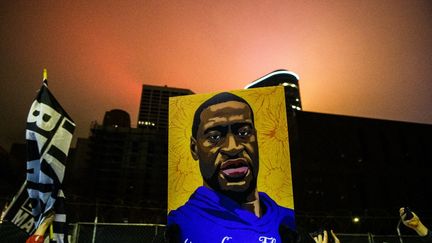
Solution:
(234, 168)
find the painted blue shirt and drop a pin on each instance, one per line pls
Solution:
(210, 217)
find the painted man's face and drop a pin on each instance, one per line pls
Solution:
(226, 147)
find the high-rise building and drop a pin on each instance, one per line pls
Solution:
(116, 118)
(153, 112)
(122, 171)
(289, 80)
(359, 167)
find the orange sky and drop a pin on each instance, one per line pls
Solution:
(359, 58)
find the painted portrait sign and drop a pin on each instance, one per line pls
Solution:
(229, 166)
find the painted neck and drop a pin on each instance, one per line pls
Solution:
(253, 204)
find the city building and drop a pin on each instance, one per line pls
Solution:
(289, 80)
(122, 170)
(345, 167)
(153, 111)
(117, 118)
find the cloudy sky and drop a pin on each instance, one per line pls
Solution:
(359, 58)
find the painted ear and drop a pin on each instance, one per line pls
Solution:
(194, 148)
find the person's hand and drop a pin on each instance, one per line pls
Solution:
(38, 236)
(413, 223)
(323, 238)
(35, 239)
(336, 240)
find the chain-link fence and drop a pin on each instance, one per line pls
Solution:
(155, 233)
(370, 238)
(117, 232)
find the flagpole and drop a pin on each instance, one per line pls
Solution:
(15, 198)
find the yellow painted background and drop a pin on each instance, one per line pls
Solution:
(274, 176)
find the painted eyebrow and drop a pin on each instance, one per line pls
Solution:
(242, 124)
(224, 128)
(216, 128)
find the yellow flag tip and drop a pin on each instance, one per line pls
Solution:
(45, 74)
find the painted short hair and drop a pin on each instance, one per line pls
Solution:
(217, 99)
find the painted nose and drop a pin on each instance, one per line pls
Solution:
(231, 147)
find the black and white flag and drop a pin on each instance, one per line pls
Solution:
(48, 134)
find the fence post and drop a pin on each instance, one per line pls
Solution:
(370, 237)
(94, 229)
(75, 233)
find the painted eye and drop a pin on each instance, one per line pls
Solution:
(244, 132)
(215, 138)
